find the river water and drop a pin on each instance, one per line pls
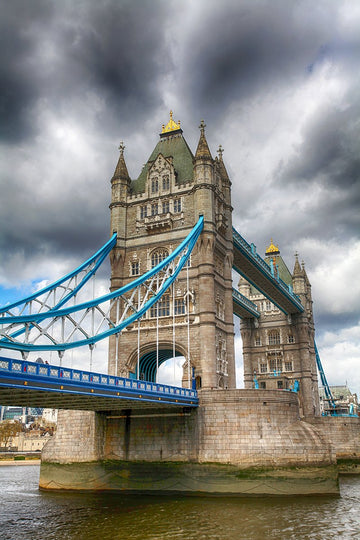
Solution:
(27, 513)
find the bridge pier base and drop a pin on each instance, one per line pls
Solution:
(235, 442)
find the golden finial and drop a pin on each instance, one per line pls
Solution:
(272, 248)
(171, 125)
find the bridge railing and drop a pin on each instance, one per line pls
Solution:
(250, 306)
(251, 250)
(47, 372)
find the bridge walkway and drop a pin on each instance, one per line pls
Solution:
(31, 384)
(255, 270)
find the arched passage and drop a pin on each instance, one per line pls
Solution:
(148, 363)
(150, 359)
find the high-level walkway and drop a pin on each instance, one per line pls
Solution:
(32, 384)
(253, 268)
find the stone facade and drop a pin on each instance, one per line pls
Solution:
(151, 216)
(278, 349)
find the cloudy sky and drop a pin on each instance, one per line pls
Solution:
(278, 85)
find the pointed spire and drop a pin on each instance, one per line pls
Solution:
(220, 161)
(304, 272)
(202, 150)
(297, 268)
(121, 169)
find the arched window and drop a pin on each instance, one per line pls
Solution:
(166, 182)
(154, 185)
(157, 256)
(274, 337)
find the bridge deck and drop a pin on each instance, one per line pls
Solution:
(243, 307)
(253, 268)
(30, 384)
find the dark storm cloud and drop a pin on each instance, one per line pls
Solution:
(329, 149)
(54, 55)
(59, 51)
(253, 48)
(18, 44)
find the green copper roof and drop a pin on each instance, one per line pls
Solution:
(283, 269)
(175, 146)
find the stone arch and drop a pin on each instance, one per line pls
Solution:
(147, 361)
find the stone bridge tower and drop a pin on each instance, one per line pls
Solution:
(278, 349)
(151, 216)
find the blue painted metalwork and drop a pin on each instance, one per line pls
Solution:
(327, 390)
(154, 285)
(324, 382)
(250, 252)
(245, 303)
(22, 374)
(90, 267)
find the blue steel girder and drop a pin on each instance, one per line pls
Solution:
(243, 307)
(90, 322)
(57, 294)
(255, 270)
(32, 384)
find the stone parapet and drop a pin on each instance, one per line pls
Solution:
(343, 433)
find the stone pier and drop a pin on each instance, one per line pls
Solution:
(236, 442)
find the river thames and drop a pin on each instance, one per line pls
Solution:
(27, 513)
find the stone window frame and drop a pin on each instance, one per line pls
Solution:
(263, 367)
(257, 341)
(180, 306)
(274, 337)
(291, 338)
(143, 211)
(154, 185)
(135, 268)
(154, 209)
(166, 182)
(177, 205)
(165, 207)
(157, 256)
(161, 308)
(288, 365)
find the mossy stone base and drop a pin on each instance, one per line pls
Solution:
(188, 478)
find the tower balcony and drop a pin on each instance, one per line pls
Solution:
(159, 221)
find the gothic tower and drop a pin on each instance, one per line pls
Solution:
(151, 216)
(278, 349)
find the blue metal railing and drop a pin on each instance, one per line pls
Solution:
(245, 303)
(251, 251)
(63, 375)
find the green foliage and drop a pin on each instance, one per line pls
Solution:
(8, 430)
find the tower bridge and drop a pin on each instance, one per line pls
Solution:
(172, 253)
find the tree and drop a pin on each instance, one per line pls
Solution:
(8, 430)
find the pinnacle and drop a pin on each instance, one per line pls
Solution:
(202, 150)
(121, 169)
(297, 268)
